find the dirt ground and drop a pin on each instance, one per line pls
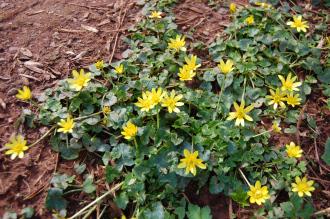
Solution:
(42, 41)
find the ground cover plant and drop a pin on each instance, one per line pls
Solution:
(160, 119)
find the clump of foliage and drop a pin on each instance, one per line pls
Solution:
(159, 119)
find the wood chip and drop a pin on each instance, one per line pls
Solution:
(25, 52)
(106, 21)
(35, 66)
(54, 71)
(63, 30)
(30, 77)
(90, 28)
(2, 104)
(80, 55)
(34, 12)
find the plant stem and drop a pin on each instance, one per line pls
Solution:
(137, 147)
(89, 212)
(244, 177)
(220, 95)
(96, 201)
(262, 133)
(244, 86)
(157, 119)
(86, 117)
(42, 137)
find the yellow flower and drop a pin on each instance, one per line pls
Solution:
(276, 127)
(177, 44)
(293, 99)
(119, 69)
(298, 24)
(24, 94)
(240, 114)
(66, 125)
(191, 62)
(79, 80)
(155, 14)
(145, 103)
(258, 194)
(276, 98)
(249, 20)
(186, 74)
(226, 67)
(130, 131)
(289, 83)
(232, 8)
(263, 5)
(172, 101)
(16, 146)
(190, 161)
(99, 64)
(327, 40)
(303, 187)
(106, 110)
(293, 150)
(156, 95)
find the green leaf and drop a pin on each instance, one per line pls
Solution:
(195, 212)
(79, 168)
(88, 185)
(240, 196)
(111, 173)
(62, 181)
(215, 187)
(9, 215)
(110, 99)
(106, 158)
(156, 211)
(326, 155)
(180, 212)
(28, 212)
(55, 200)
(121, 200)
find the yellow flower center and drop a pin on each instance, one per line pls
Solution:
(240, 113)
(298, 23)
(258, 194)
(302, 187)
(18, 147)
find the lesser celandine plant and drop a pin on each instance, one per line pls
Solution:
(155, 132)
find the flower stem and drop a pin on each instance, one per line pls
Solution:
(43, 137)
(157, 119)
(96, 200)
(244, 177)
(220, 95)
(243, 94)
(137, 147)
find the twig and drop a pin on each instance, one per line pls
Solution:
(44, 136)
(117, 33)
(64, 30)
(301, 114)
(230, 209)
(89, 212)
(89, 7)
(30, 77)
(244, 177)
(102, 212)
(323, 212)
(317, 155)
(96, 201)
